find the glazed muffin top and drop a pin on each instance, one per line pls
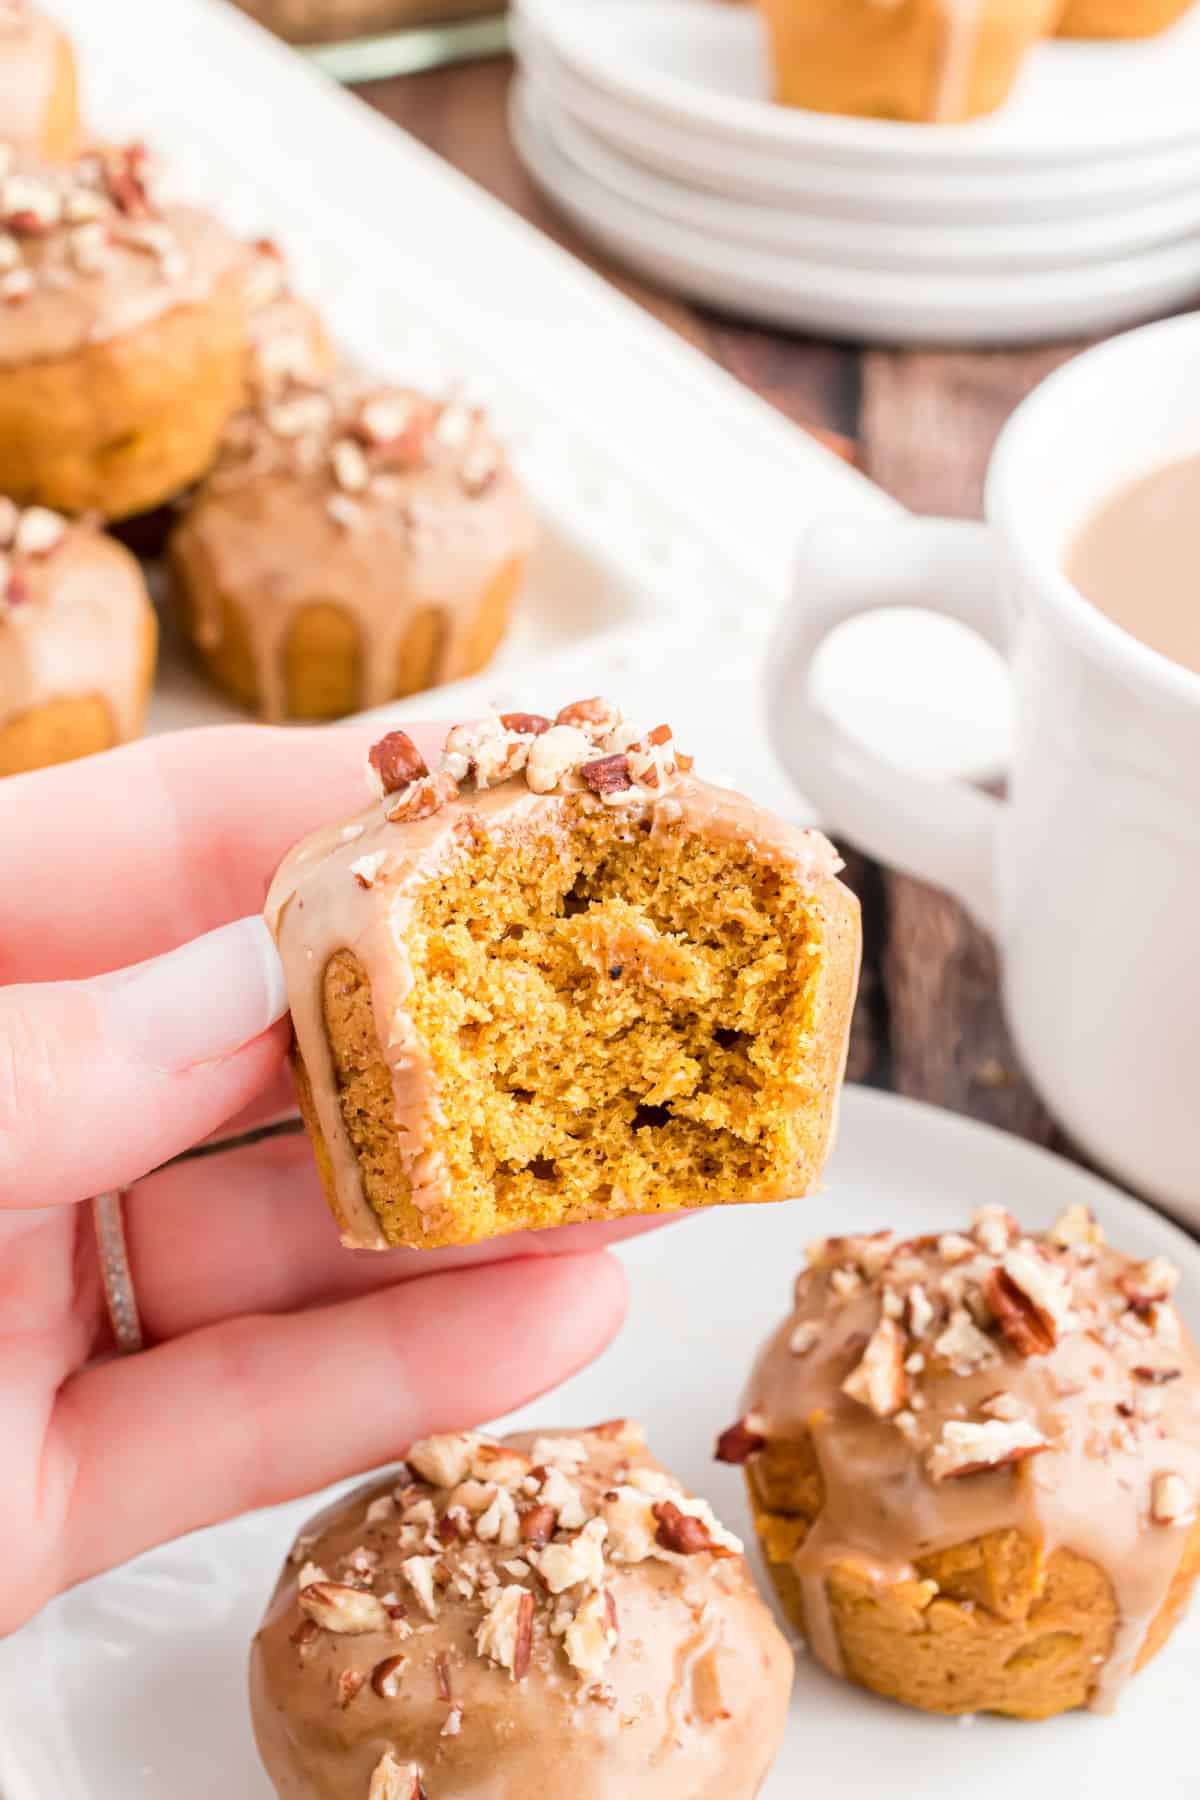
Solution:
(91, 249)
(73, 606)
(984, 1381)
(547, 1615)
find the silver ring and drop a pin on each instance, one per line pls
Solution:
(108, 1216)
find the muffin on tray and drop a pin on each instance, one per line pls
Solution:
(353, 545)
(39, 85)
(561, 978)
(908, 59)
(974, 1462)
(122, 335)
(77, 640)
(550, 1614)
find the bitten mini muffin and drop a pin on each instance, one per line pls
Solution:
(974, 1462)
(39, 87)
(1120, 18)
(936, 60)
(122, 335)
(549, 1614)
(352, 546)
(77, 640)
(561, 979)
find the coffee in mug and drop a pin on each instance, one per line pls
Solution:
(1137, 558)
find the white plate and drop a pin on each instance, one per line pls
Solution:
(856, 303)
(132, 1688)
(705, 67)
(940, 190)
(878, 243)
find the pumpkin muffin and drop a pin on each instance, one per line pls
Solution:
(935, 60)
(352, 546)
(77, 640)
(974, 1462)
(1120, 18)
(122, 335)
(39, 85)
(561, 979)
(548, 1614)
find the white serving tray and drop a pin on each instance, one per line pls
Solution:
(675, 498)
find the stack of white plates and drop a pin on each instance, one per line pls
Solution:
(1075, 209)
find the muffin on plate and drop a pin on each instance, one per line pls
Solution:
(122, 335)
(353, 545)
(974, 1461)
(549, 1614)
(1120, 18)
(39, 86)
(77, 640)
(932, 60)
(561, 978)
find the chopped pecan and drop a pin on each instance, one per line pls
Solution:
(538, 1526)
(1029, 1330)
(350, 1684)
(527, 724)
(597, 717)
(879, 1380)
(421, 799)
(337, 1607)
(684, 1534)
(396, 1781)
(739, 1443)
(1156, 1377)
(523, 1645)
(385, 1676)
(608, 774)
(1171, 1500)
(441, 1669)
(966, 1448)
(1148, 1284)
(397, 762)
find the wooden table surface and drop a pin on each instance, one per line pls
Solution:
(919, 423)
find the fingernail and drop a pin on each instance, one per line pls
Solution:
(200, 1002)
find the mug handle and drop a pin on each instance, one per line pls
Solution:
(941, 831)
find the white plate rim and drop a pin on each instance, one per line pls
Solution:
(937, 293)
(876, 189)
(730, 118)
(882, 243)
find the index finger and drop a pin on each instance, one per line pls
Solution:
(128, 854)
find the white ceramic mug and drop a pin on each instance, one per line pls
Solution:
(1088, 874)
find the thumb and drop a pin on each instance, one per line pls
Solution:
(102, 1080)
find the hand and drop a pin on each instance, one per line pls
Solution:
(276, 1361)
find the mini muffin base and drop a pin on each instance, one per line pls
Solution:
(1007, 1631)
(322, 654)
(72, 725)
(123, 424)
(862, 59)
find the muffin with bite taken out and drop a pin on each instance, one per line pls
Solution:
(559, 978)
